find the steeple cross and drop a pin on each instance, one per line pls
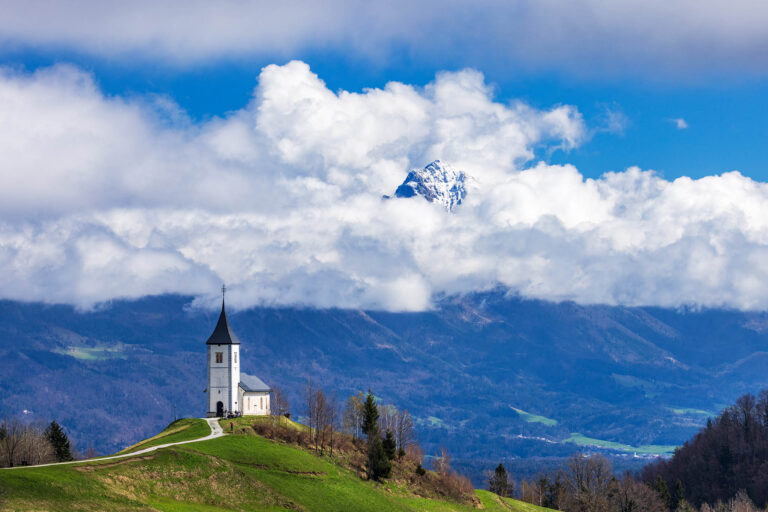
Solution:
(223, 291)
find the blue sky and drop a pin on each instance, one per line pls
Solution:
(139, 137)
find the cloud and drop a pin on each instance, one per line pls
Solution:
(653, 38)
(104, 197)
(679, 122)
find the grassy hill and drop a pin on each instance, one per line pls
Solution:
(235, 472)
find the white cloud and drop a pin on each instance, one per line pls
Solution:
(100, 197)
(650, 37)
(679, 122)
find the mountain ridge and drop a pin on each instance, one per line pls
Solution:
(632, 376)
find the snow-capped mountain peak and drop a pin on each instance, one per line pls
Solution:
(438, 182)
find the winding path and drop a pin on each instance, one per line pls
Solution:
(216, 431)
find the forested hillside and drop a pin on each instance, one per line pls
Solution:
(492, 377)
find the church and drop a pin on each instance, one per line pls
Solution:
(228, 390)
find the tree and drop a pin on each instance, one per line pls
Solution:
(632, 496)
(59, 441)
(370, 416)
(684, 506)
(387, 417)
(678, 496)
(354, 413)
(404, 431)
(11, 441)
(587, 483)
(332, 416)
(499, 481)
(442, 462)
(389, 445)
(309, 396)
(660, 486)
(320, 405)
(279, 403)
(379, 466)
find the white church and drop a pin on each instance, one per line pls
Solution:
(228, 390)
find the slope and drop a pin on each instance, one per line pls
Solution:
(234, 472)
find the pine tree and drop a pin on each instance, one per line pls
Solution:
(370, 417)
(58, 439)
(660, 486)
(499, 481)
(679, 495)
(390, 446)
(379, 466)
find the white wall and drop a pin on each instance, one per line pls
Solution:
(254, 404)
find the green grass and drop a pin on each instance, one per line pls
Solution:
(493, 503)
(650, 449)
(184, 429)
(92, 353)
(535, 418)
(686, 410)
(234, 472)
(244, 422)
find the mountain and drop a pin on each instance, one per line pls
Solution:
(489, 376)
(238, 472)
(437, 183)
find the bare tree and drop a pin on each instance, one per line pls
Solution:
(633, 496)
(442, 462)
(310, 398)
(10, 443)
(35, 448)
(320, 405)
(587, 483)
(279, 403)
(354, 413)
(91, 452)
(387, 418)
(333, 417)
(405, 433)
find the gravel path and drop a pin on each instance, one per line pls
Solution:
(216, 431)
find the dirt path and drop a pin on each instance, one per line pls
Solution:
(212, 422)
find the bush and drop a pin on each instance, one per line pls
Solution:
(420, 470)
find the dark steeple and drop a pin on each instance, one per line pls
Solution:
(223, 334)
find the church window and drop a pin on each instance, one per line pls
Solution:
(219, 357)
(235, 357)
(262, 402)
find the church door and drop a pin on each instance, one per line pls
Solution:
(219, 409)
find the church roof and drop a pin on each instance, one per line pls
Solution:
(223, 334)
(252, 383)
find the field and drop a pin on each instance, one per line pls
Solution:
(652, 449)
(234, 472)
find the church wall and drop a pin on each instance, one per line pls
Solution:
(254, 403)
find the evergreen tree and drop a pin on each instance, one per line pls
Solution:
(679, 495)
(390, 446)
(379, 466)
(660, 486)
(499, 481)
(370, 417)
(58, 439)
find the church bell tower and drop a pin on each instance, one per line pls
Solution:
(223, 367)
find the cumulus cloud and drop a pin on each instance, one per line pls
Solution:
(103, 197)
(650, 37)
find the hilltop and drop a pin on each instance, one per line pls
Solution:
(239, 471)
